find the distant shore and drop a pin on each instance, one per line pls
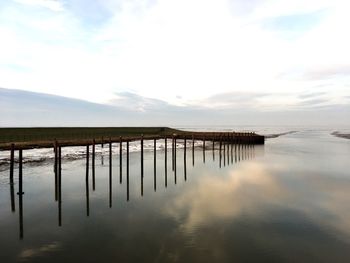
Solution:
(270, 136)
(341, 135)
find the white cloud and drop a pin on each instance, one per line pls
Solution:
(54, 5)
(164, 49)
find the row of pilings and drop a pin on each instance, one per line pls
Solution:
(208, 140)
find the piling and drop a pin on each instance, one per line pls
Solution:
(20, 194)
(175, 177)
(93, 164)
(192, 150)
(110, 172)
(155, 165)
(166, 161)
(204, 150)
(127, 170)
(59, 186)
(185, 147)
(141, 155)
(120, 159)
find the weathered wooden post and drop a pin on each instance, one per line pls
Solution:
(172, 151)
(192, 149)
(175, 177)
(213, 148)
(127, 170)
(155, 165)
(59, 186)
(185, 175)
(12, 189)
(232, 141)
(220, 150)
(87, 162)
(224, 152)
(12, 160)
(110, 172)
(93, 164)
(204, 149)
(120, 159)
(20, 193)
(56, 169)
(141, 155)
(166, 160)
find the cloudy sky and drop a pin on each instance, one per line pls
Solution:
(257, 56)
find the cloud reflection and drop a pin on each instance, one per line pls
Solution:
(29, 253)
(223, 198)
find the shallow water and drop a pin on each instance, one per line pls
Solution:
(286, 201)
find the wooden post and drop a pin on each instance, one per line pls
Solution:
(203, 149)
(59, 186)
(172, 151)
(87, 162)
(166, 161)
(220, 149)
(192, 150)
(228, 149)
(12, 190)
(102, 142)
(185, 175)
(224, 152)
(155, 165)
(232, 148)
(110, 172)
(93, 164)
(127, 170)
(120, 159)
(213, 148)
(142, 155)
(175, 177)
(20, 194)
(56, 170)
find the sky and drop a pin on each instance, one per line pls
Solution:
(230, 56)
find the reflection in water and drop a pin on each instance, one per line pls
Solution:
(217, 198)
(275, 208)
(58, 174)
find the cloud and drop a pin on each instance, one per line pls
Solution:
(295, 23)
(311, 95)
(327, 72)
(132, 101)
(53, 5)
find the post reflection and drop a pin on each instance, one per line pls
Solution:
(234, 152)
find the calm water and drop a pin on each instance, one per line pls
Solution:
(287, 201)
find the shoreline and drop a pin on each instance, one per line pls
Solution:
(276, 135)
(341, 135)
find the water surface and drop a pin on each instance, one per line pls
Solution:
(286, 201)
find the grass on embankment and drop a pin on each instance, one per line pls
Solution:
(8, 135)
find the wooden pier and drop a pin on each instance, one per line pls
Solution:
(231, 147)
